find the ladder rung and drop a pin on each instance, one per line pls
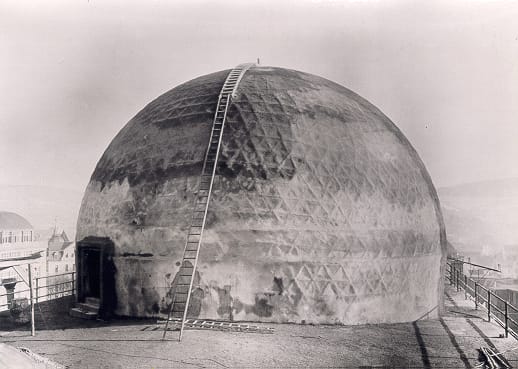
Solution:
(182, 288)
(186, 279)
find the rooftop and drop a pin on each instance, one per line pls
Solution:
(13, 221)
(450, 342)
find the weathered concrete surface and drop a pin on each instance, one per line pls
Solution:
(448, 343)
(322, 211)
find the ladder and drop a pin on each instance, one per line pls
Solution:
(185, 276)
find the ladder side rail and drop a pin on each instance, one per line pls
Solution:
(196, 201)
(203, 222)
(227, 92)
(193, 217)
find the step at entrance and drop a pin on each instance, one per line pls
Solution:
(182, 290)
(86, 310)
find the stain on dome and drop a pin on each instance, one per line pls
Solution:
(321, 211)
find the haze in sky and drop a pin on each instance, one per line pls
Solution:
(74, 72)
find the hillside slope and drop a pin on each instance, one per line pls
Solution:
(482, 214)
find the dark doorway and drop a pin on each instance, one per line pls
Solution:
(96, 273)
(91, 273)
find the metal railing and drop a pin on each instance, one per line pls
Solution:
(498, 309)
(54, 286)
(39, 289)
(44, 289)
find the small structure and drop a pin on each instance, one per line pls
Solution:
(18, 241)
(60, 254)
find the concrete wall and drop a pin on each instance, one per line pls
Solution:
(322, 212)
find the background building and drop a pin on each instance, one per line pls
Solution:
(18, 239)
(60, 254)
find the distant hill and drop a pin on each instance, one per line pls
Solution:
(44, 207)
(482, 214)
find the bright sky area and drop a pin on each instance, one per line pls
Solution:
(74, 72)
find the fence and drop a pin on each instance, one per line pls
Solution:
(498, 309)
(54, 286)
(11, 297)
(44, 289)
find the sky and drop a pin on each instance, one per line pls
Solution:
(72, 73)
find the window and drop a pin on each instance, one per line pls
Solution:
(66, 268)
(57, 269)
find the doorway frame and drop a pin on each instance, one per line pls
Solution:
(105, 247)
(84, 271)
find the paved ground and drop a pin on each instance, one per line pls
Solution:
(450, 342)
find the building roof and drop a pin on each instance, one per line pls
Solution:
(59, 241)
(10, 220)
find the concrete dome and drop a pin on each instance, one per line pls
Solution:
(321, 211)
(12, 221)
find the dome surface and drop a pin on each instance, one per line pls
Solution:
(13, 221)
(321, 210)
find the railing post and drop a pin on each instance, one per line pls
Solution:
(476, 297)
(505, 322)
(465, 287)
(488, 305)
(36, 289)
(33, 326)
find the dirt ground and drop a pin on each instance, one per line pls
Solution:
(450, 342)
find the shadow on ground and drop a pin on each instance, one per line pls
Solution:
(53, 315)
